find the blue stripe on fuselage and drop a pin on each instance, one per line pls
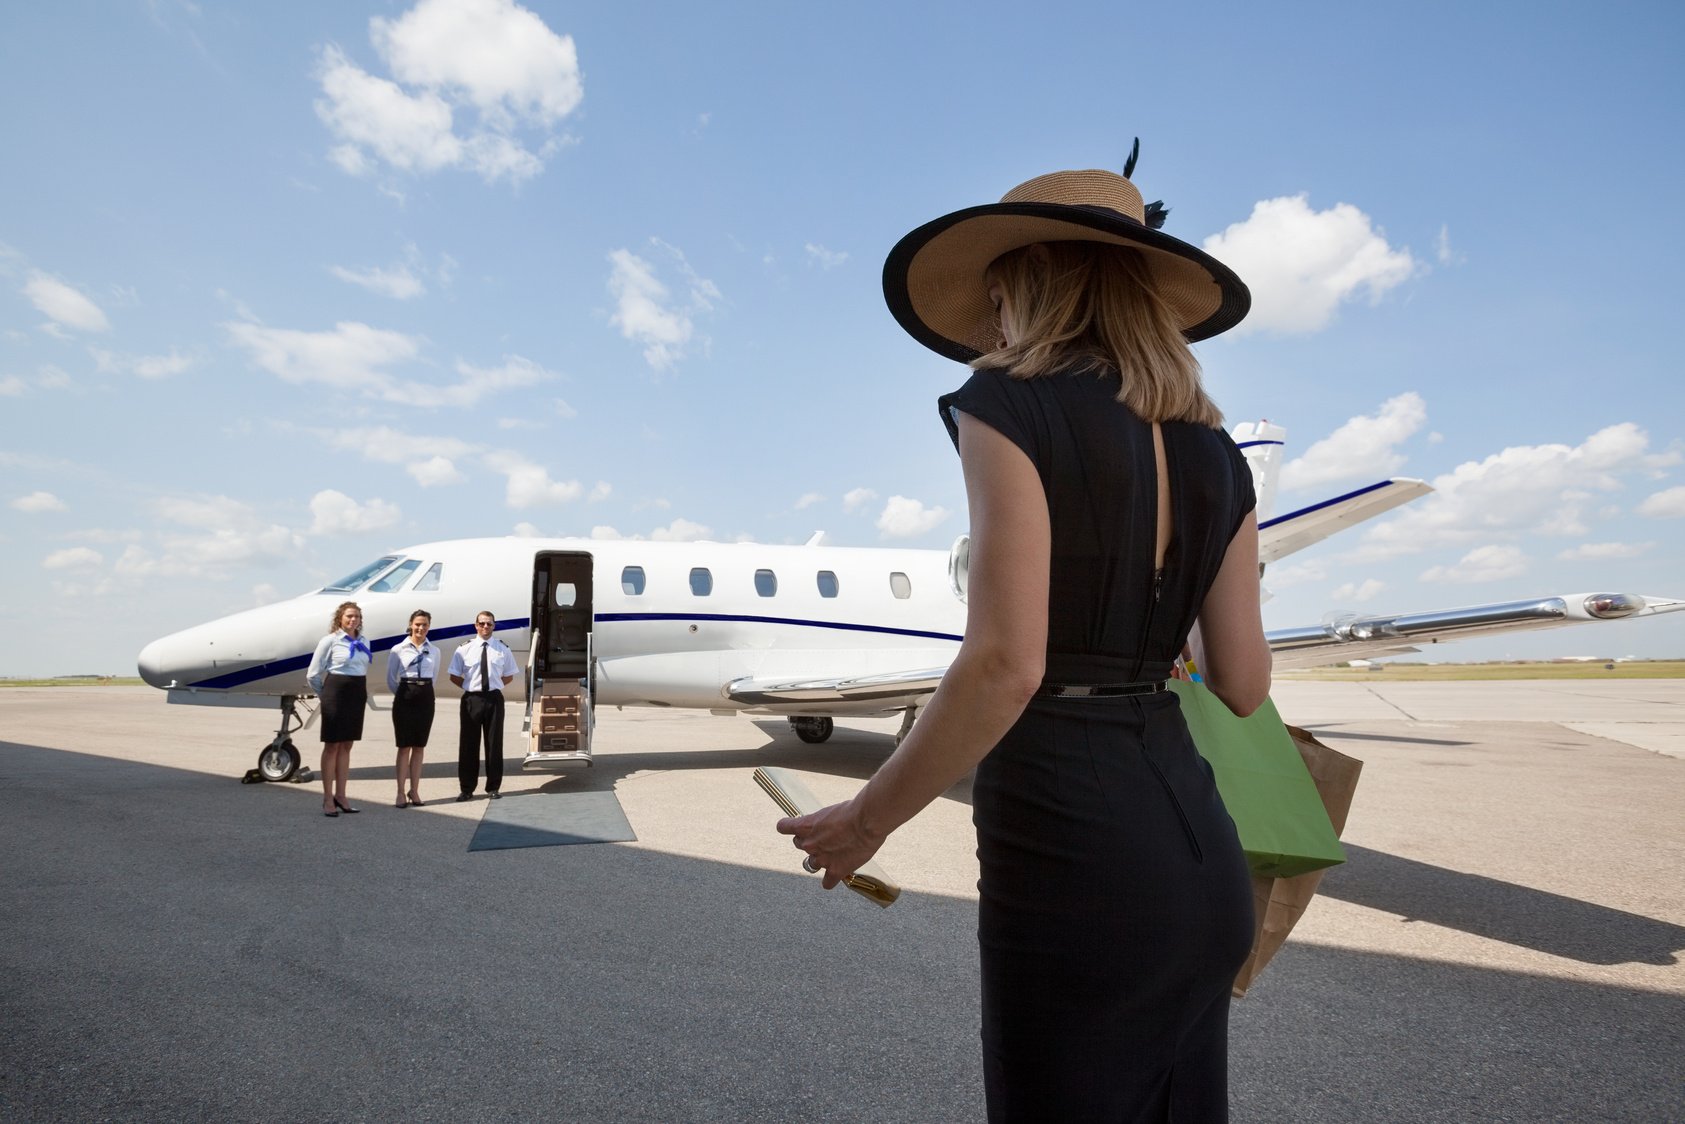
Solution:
(298, 663)
(451, 632)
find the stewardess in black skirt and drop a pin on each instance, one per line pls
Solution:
(411, 669)
(338, 674)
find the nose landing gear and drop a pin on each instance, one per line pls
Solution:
(278, 760)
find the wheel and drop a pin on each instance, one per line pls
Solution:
(812, 730)
(278, 762)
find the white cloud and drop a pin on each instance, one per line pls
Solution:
(904, 518)
(434, 471)
(37, 502)
(1602, 551)
(564, 410)
(681, 530)
(646, 311)
(208, 511)
(857, 498)
(1544, 489)
(1285, 576)
(1482, 564)
(146, 366)
(1301, 265)
(529, 485)
(1669, 504)
(355, 358)
(428, 460)
(335, 513)
(526, 530)
(1444, 252)
(606, 534)
(64, 306)
(397, 282)
(1357, 592)
(225, 534)
(73, 558)
(263, 593)
(600, 492)
(808, 500)
(374, 117)
(12, 387)
(1362, 447)
(493, 59)
(825, 259)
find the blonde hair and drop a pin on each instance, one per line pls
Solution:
(339, 615)
(1095, 304)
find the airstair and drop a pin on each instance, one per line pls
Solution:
(561, 666)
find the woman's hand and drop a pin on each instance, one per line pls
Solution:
(835, 838)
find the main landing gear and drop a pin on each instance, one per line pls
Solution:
(812, 730)
(278, 760)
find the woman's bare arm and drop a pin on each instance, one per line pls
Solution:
(998, 668)
(1236, 656)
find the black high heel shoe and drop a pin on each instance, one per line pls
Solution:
(345, 807)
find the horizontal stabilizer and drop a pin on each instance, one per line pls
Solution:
(1353, 637)
(1287, 534)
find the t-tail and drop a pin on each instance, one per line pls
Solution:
(1262, 444)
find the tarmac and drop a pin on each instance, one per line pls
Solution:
(1503, 944)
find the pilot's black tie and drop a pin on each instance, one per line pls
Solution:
(485, 679)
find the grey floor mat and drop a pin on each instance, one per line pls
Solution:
(552, 819)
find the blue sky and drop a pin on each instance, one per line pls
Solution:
(284, 286)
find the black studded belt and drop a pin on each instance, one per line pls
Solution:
(1097, 690)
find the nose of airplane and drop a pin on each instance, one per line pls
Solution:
(155, 664)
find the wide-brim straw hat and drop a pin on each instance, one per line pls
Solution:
(934, 277)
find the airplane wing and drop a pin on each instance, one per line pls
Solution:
(1354, 637)
(908, 686)
(1286, 534)
(1349, 637)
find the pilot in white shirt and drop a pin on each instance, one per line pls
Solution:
(481, 667)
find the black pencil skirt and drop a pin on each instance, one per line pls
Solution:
(412, 712)
(344, 698)
(1115, 908)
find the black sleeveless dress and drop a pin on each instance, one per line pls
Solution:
(1115, 906)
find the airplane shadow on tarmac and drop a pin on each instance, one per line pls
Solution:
(1502, 911)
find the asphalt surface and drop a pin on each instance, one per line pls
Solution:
(1504, 944)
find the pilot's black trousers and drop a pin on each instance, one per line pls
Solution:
(482, 719)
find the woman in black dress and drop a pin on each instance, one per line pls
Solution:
(1111, 519)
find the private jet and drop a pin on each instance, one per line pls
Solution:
(811, 632)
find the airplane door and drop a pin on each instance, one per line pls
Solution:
(561, 661)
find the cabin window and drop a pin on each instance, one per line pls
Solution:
(357, 577)
(900, 586)
(395, 577)
(766, 583)
(827, 584)
(701, 581)
(429, 582)
(632, 581)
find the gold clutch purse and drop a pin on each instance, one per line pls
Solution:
(790, 794)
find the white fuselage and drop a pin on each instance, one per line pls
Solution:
(768, 613)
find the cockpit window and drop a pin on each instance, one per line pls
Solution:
(430, 580)
(355, 579)
(395, 577)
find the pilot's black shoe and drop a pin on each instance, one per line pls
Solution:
(495, 795)
(465, 797)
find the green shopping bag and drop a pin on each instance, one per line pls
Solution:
(1283, 825)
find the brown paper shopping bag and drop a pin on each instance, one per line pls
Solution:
(1280, 902)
